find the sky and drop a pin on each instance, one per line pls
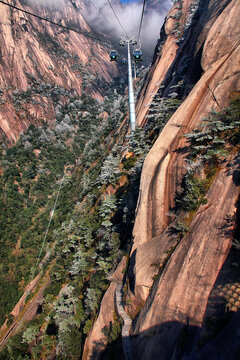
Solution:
(102, 18)
(128, 1)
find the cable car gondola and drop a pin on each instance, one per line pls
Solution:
(113, 55)
(121, 43)
(124, 61)
(137, 55)
(134, 42)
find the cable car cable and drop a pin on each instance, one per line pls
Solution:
(93, 5)
(49, 223)
(140, 26)
(55, 23)
(117, 17)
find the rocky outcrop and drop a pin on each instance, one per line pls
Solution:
(163, 166)
(127, 323)
(171, 284)
(96, 341)
(41, 63)
(180, 297)
(177, 303)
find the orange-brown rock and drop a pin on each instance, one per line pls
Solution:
(173, 306)
(157, 73)
(96, 341)
(179, 300)
(181, 295)
(52, 55)
(129, 155)
(104, 115)
(162, 168)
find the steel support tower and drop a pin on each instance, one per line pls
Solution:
(130, 91)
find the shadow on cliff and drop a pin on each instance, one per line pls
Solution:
(186, 66)
(131, 275)
(175, 340)
(234, 170)
(219, 336)
(113, 350)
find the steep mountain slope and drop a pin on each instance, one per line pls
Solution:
(220, 65)
(68, 199)
(41, 63)
(62, 195)
(178, 267)
(179, 298)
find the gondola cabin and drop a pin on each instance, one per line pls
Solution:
(137, 55)
(124, 61)
(113, 55)
(121, 43)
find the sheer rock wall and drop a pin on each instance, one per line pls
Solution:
(178, 301)
(52, 56)
(171, 309)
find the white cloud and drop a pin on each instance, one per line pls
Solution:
(100, 16)
(52, 4)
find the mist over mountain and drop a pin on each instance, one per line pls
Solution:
(51, 4)
(115, 241)
(33, 50)
(101, 17)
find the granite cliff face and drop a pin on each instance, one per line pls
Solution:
(41, 63)
(177, 288)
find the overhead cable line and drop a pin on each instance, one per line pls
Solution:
(49, 223)
(55, 23)
(117, 17)
(140, 26)
(93, 4)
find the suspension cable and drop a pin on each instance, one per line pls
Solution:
(140, 26)
(49, 223)
(93, 4)
(55, 23)
(117, 17)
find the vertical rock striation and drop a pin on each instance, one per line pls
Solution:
(41, 63)
(197, 54)
(177, 302)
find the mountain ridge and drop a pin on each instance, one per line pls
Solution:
(49, 56)
(160, 234)
(156, 213)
